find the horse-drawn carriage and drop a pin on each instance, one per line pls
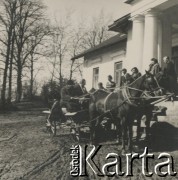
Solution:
(112, 114)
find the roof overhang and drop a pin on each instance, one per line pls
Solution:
(111, 41)
(128, 1)
(121, 24)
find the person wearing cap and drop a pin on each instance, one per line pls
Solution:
(100, 86)
(170, 72)
(67, 97)
(82, 94)
(154, 67)
(110, 85)
(126, 78)
(80, 88)
(135, 73)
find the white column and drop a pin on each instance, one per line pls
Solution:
(160, 40)
(150, 38)
(137, 41)
(166, 37)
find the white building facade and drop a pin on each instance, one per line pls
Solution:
(151, 30)
(153, 33)
(107, 59)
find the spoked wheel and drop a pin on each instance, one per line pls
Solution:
(75, 134)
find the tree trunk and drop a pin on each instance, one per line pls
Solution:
(19, 85)
(3, 93)
(71, 69)
(60, 72)
(10, 71)
(31, 79)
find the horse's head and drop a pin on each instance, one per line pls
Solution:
(146, 83)
(151, 84)
(97, 95)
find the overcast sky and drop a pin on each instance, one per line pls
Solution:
(86, 8)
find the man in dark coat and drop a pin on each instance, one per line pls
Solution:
(169, 71)
(135, 73)
(82, 93)
(67, 97)
(126, 78)
(80, 88)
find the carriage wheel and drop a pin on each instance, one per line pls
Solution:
(75, 134)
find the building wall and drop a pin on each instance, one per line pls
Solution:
(105, 59)
(151, 34)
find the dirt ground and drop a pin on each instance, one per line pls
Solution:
(28, 151)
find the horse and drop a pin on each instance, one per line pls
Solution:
(128, 106)
(135, 105)
(96, 108)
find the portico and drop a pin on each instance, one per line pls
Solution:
(150, 30)
(151, 33)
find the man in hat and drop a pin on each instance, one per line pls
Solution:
(110, 85)
(154, 67)
(126, 78)
(67, 97)
(80, 88)
(82, 93)
(135, 73)
(100, 86)
(170, 72)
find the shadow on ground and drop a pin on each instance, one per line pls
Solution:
(164, 137)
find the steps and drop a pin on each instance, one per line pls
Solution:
(172, 113)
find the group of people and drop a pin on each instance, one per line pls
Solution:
(70, 94)
(154, 69)
(168, 71)
(126, 78)
(68, 100)
(71, 91)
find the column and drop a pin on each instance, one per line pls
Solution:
(160, 40)
(137, 41)
(167, 37)
(150, 38)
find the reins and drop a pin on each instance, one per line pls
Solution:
(108, 111)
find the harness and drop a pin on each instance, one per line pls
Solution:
(128, 98)
(126, 94)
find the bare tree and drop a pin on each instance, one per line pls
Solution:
(8, 20)
(76, 47)
(88, 35)
(97, 30)
(20, 21)
(59, 47)
(35, 47)
(30, 14)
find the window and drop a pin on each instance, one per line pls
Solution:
(117, 73)
(95, 77)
